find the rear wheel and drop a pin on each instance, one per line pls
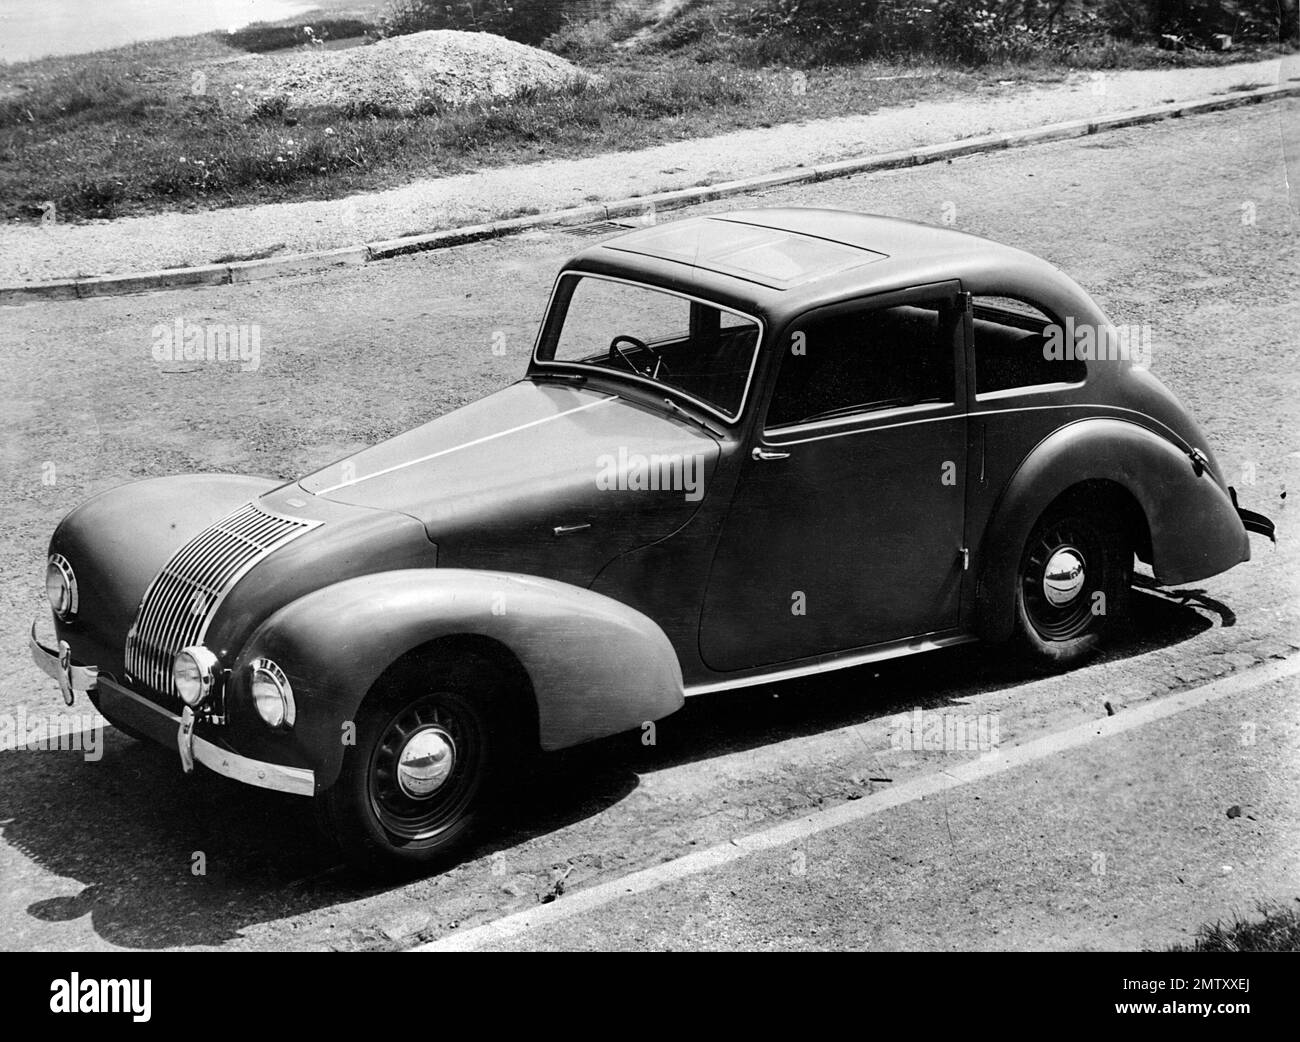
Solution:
(1073, 583)
(434, 746)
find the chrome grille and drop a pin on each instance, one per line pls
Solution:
(182, 600)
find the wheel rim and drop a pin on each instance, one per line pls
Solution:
(1061, 565)
(425, 769)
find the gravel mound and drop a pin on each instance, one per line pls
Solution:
(440, 67)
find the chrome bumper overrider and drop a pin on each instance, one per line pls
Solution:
(58, 665)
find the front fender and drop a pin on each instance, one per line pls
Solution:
(1194, 527)
(596, 666)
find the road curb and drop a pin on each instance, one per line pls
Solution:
(637, 206)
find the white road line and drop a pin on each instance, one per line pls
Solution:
(466, 445)
(583, 901)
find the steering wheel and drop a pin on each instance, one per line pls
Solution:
(617, 352)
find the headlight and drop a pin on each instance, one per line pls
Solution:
(193, 670)
(61, 586)
(272, 694)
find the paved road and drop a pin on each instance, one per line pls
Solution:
(1186, 226)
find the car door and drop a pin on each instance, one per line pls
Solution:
(845, 529)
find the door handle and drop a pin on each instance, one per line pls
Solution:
(760, 453)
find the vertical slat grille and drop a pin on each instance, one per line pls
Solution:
(182, 599)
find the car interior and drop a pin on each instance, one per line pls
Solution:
(1008, 345)
(685, 344)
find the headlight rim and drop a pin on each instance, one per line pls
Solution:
(63, 567)
(206, 664)
(271, 671)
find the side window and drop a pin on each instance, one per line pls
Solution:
(1009, 341)
(861, 360)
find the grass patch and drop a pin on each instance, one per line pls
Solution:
(126, 133)
(1277, 929)
(179, 125)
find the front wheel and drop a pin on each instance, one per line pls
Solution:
(1072, 585)
(432, 751)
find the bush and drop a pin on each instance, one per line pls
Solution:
(528, 21)
(839, 30)
(1257, 21)
(261, 37)
(980, 33)
(970, 31)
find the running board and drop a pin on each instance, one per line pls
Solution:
(827, 664)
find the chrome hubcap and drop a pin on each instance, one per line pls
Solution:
(1063, 577)
(425, 762)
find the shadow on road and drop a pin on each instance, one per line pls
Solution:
(135, 831)
(169, 860)
(750, 718)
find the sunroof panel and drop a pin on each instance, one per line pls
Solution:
(768, 256)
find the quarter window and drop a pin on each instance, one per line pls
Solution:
(1010, 336)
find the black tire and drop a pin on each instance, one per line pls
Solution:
(455, 722)
(1076, 552)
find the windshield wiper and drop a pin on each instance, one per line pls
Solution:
(572, 378)
(673, 407)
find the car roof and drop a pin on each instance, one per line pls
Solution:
(780, 261)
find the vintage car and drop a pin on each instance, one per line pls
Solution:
(747, 447)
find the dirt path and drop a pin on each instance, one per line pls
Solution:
(137, 244)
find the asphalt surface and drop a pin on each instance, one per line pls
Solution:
(1103, 847)
(1187, 227)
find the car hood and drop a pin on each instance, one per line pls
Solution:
(542, 478)
(119, 541)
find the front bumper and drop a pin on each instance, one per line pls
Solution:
(119, 703)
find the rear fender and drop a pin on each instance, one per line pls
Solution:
(595, 666)
(1193, 524)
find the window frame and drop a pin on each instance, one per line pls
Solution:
(949, 292)
(1052, 387)
(557, 310)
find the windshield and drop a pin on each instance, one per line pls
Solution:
(700, 349)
